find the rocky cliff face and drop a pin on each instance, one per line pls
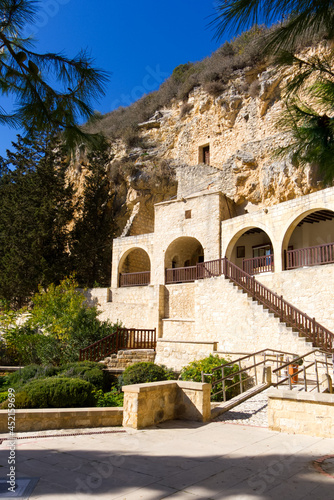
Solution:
(238, 126)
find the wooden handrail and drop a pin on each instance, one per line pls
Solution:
(310, 256)
(135, 279)
(289, 314)
(122, 339)
(257, 265)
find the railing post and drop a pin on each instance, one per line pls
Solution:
(223, 378)
(254, 360)
(268, 375)
(305, 381)
(281, 307)
(317, 375)
(240, 377)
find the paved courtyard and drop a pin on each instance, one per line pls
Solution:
(177, 460)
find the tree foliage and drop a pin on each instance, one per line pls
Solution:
(296, 18)
(41, 104)
(94, 229)
(35, 210)
(59, 324)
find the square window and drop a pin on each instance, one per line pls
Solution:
(240, 252)
(188, 214)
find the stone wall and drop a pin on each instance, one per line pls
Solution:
(149, 404)
(62, 418)
(301, 413)
(176, 354)
(180, 301)
(134, 307)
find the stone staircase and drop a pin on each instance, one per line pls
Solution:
(282, 326)
(116, 363)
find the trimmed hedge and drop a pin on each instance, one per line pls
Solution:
(85, 370)
(56, 392)
(143, 372)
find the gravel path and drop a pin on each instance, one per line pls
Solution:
(251, 412)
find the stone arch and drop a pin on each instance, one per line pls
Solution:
(185, 251)
(252, 249)
(184, 254)
(135, 260)
(312, 228)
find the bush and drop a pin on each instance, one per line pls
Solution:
(112, 398)
(185, 109)
(193, 371)
(31, 372)
(85, 370)
(3, 396)
(143, 372)
(55, 393)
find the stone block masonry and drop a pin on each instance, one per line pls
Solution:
(301, 412)
(149, 404)
(62, 418)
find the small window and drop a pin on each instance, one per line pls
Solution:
(204, 155)
(241, 252)
(187, 214)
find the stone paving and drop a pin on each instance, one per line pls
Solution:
(177, 460)
(251, 412)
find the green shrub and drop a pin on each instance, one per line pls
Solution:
(3, 396)
(31, 372)
(112, 398)
(85, 370)
(56, 393)
(4, 381)
(193, 371)
(143, 372)
(22, 376)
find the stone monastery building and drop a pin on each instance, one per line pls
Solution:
(174, 278)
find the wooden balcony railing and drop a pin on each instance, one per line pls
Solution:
(181, 275)
(135, 279)
(259, 265)
(293, 317)
(311, 256)
(123, 338)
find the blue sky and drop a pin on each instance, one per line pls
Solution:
(139, 43)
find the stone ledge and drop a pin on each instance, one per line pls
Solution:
(182, 320)
(187, 342)
(41, 419)
(314, 397)
(152, 386)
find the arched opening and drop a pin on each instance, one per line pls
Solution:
(309, 241)
(181, 259)
(134, 268)
(251, 249)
